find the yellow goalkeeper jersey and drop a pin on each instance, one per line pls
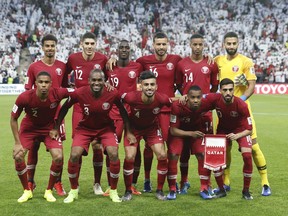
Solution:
(235, 67)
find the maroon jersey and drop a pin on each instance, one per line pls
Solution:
(164, 72)
(233, 118)
(56, 71)
(124, 79)
(39, 114)
(142, 115)
(95, 110)
(184, 118)
(190, 73)
(82, 68)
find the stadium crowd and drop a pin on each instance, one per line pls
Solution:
(261, 25)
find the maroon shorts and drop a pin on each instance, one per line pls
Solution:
(151, 135)
(119, 127)
(28, 135)
(175, 145)
(83, 137)
(245, 142)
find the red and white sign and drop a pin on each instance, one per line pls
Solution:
(215, 152)
(271, 88)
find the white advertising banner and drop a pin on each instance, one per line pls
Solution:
(271, 88)
(11, 89)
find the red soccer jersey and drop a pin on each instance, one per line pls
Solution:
(163, 70)
(82, 68)
(190, 73)
(233, 118)
(124, 79)
(56, 71)
(39, 114)
(95, 110)
(184, 118)
(143, 115)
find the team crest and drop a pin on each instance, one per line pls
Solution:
(156, 110)
(170, 66)
(132, 74)
(205, 70)
(234, 114)
(53, 105)
(105, 106)
(235, 68)
(97, 66)
(58, 71)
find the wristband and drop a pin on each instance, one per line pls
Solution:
(243, 97)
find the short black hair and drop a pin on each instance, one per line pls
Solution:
(194, 88)
(49, 37)
(90, 35)
(196, 36)
(43, 73)
(226, 81)
(159, 34)
(230, 35)
(146, 75)
(97, 71)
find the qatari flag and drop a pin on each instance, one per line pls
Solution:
(215, 152)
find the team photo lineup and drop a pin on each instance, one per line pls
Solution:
(106, 102)
(160, 105)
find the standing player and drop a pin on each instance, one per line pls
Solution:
(163, 65)
(82, 63)
(40, 105)
(95, 102)
(238, 67)
(56, 69)
(187, 127)
(145, 107)
(195, 70)
(236, 123)
(124, 78)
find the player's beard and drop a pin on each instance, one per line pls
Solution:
(228, 99)
(161, 52)
(231, 52)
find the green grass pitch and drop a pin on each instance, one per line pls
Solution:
(271, 115)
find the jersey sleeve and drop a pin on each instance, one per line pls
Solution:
(249, 69)
(18, 107)
(64, 92)
(174, 116)
(214, 74)
(30, 80)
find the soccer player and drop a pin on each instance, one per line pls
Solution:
(124, 77)
(234, 121)
(195, 70)
(145, 107)
(82, 63)
(187, 127)
(163, 65)
(240, 68)
(95, 102)
(56, 69)
(40, 105)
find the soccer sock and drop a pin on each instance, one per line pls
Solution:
(184, 164)
(108, 169)
(162, 169)
(226, 175)
(204, 175)
(137, 165)
(73, 172)
(128, 173)
(97, 164)
(55, 171)
(79, 168)
(21, 170)
(219, 178)
(148, 158)
(247, 169)
(32, 160)
(260, 162)
(172, 174)
(114, 173)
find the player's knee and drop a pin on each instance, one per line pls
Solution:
(130, 156)
(58, 158)
(113, 155)
(74, 157)
(173, 156)
(162, 155)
